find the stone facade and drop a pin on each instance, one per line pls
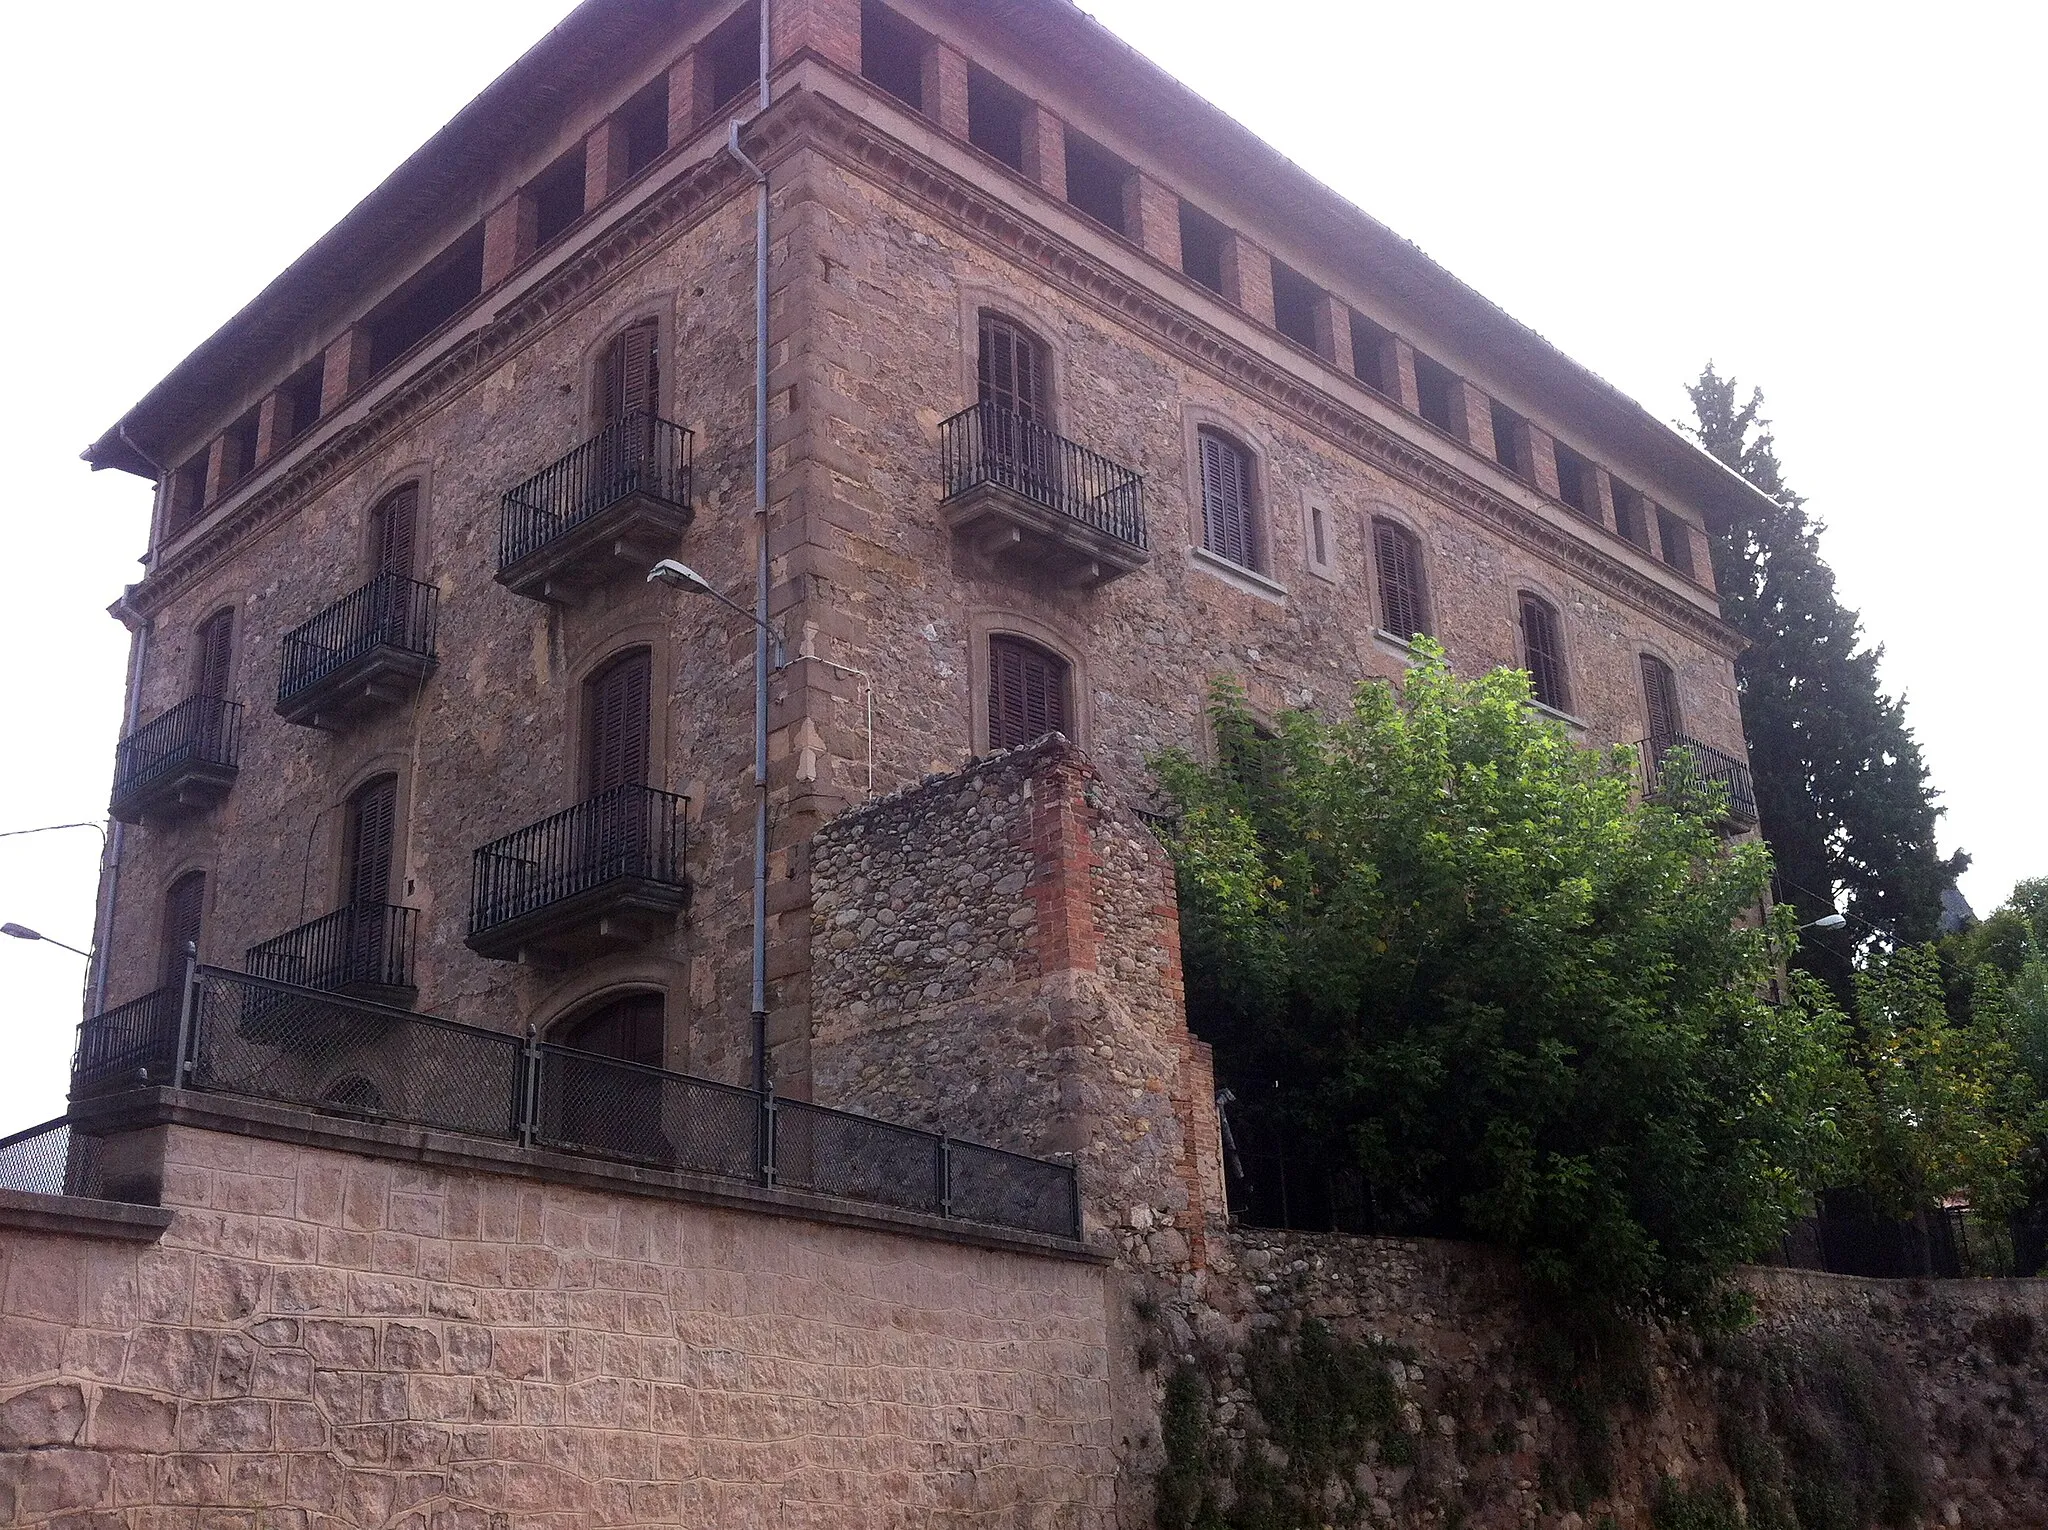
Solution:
(890, 234)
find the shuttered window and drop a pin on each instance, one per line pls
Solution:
(1012, 370)
(1403, 611)
(184, 908)
(213, 647)
(372, 829)
(1543, 653)
(629, 375)
(631, 1028)
(1027, 693)
(1660, 701)
(394, 532)
(617, 712)
(1228, 529)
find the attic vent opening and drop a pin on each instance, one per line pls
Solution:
(1098, 182)
(1575, 481)
(645, 120)
(240, 455)
(300, 398)
(557, 194)
(892, 54)
(731, 58)
(1202, 239)
(1294, 305)
(1434, 383)
(1629, 517)
(1372, 356)
(1507, 439)
(446, 287)
(995, 118)
(1677, 539)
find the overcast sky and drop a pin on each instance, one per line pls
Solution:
(1841, 204)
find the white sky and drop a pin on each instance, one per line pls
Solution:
(1843, 204)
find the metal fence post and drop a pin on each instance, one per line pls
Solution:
(943, 1162)
(181, 1061)
(767, 1129)
(529, 1104)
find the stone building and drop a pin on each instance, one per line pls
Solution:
(1078, 396)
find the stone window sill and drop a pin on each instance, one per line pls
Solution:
(1238, 576)
(1577, 723)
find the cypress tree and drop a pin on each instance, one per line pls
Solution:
(1842, 789)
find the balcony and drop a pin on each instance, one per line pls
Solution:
(128, 1047)
(364, 950)
(1672, 766)
(612, 506)
(606, 875)
(182, 763)
(1022, 495)
(369, 649)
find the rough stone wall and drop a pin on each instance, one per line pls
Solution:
(326, 1340)
(996, 952)
(1489, 1439)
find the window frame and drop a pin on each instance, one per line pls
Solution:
(994, 623)
(1257, 533)
(1382, 618)
(1561, 705)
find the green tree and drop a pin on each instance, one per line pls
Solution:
(1842, 790)
(1526, 1006)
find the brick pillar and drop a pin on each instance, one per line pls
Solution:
(222, 468)
(828, 28)
(1248, 277)
(1156, 224)
(1600, 489)
(1401, 376)
(1336, 318)
(1045, 150)
(945, 88)
(604, 162)
(510, 234)
(1472, 417)
(273, 425)
(687, 96)
(344, 367)
(1539, 460)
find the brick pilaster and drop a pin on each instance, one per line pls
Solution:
(1539, 459)
(273, 425)
(344, 367)
(687, 93)
(604, 162)
(945, 88)
(828, 28)
(1600, 496)
(1063, 858)
(1472, 417)
(1248, 278)
(510, 234)
(1401, 375)
(222, 468)
(1045, 150)
(1336, 318)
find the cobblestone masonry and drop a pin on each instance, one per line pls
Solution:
(325, 1340)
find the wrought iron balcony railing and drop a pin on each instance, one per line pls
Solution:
(366, 947)
(1669, 764)
(128, 1046)
(627, 841)
(990, 445)
(639, 460)
(389, 622)
(188, 756)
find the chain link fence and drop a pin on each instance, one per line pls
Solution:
(51, 1159)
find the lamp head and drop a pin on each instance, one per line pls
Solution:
(1828, 922)
(20, 932)
(679, 576)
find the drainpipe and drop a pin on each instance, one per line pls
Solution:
(759, 1000)
(138, 652)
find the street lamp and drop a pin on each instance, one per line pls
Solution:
(1827, 922)
(23, 932)
(680, 576)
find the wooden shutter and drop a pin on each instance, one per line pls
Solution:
(396, 531)
(184, 908)
(1012, 374)
(1660, 700)
(631, 1028)
(1543, 654)
(1027, 693)
(616, 733)
(372, 827)
(1399, 557)
(629, 379)
(213, 649)
(1227, 527)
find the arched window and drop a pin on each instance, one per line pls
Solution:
(629, 373)
(212, 649)
(1660, 702)
(617, 712)
(1229, 528)
(1404, 608)
(1027, 693)
(184, 908)
(1543, 653)
(1011, 369)
(394, 532)
(631, 1028)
